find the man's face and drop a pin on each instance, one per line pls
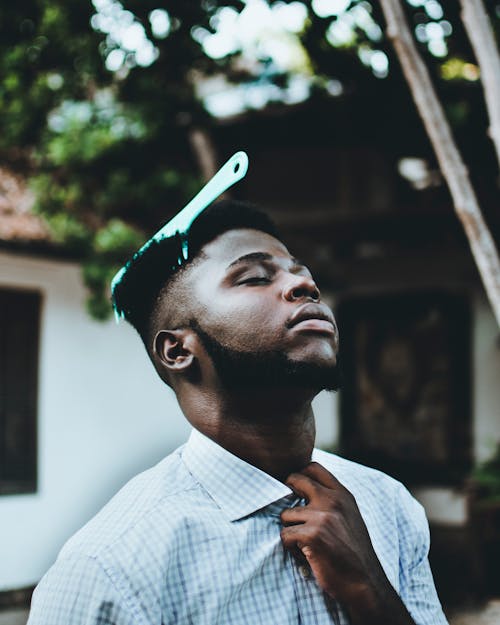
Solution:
(258, 314)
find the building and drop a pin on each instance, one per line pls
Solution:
(419, 341)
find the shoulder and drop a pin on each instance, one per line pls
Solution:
(127, 548)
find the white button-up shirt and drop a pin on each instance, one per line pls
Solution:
(196, 540)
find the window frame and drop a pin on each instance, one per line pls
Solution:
(20, 324)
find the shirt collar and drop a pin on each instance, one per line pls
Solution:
(237, 487)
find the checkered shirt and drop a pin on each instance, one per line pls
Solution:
(196, 540)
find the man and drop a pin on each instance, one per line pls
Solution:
(246, 523)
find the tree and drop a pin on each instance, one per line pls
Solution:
(100, 102)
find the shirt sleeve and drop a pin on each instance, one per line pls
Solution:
(78, 591)
(417, 589)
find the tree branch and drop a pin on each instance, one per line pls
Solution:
(478, 27)
(449, 159)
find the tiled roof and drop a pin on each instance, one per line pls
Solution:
(17, 221)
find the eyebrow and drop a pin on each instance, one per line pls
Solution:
(259, 257)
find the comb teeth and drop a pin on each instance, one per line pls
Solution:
(151, 265)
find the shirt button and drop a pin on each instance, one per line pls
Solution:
(305, 571)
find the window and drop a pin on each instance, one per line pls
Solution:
(19, 347)
(405, 405)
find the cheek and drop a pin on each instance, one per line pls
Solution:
(247, 324)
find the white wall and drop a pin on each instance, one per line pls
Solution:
(103, 416)
(325, 407)
(486, 380)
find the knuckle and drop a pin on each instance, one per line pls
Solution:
(323, 517)
(333, 503)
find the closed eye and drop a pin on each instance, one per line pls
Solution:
(255, 280)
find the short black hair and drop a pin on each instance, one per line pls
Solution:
(150, 273)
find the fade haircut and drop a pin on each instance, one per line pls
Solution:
(153, 291)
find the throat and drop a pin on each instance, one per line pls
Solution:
(276, 443)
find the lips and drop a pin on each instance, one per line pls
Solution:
(314, 317)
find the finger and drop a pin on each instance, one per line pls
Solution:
(298, 540)
(303, 486)
(291, 516)
(319, 474)
(295, 536)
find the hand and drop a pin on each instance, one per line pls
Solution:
(331, 534)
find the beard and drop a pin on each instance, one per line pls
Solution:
(246, 370)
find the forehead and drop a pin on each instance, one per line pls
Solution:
(231, 245)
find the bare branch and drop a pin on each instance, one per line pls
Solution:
(478, 27)
(450, 161)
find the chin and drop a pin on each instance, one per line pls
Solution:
(315, 354)
(314, 373)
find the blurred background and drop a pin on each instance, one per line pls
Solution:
(112, 115)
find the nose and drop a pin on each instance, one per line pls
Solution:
(301, 287)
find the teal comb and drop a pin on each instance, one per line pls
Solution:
(232, 171)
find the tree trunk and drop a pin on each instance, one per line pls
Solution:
(481, 35)
(449, 159)
(204, 150)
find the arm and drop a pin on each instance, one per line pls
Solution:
(78, 591)
(332, 536)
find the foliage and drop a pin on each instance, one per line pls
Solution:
(486, 477)
(97, 99)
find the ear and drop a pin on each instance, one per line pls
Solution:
(174, 350)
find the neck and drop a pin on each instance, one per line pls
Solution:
(273, 430)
